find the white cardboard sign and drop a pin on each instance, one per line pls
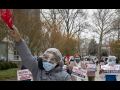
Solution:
(81, 73)
(111, 70)
(24, 75)
(91, 67)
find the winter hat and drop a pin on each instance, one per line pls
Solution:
(56, 53)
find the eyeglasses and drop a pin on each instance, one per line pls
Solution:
(48, 59)
(111, 59)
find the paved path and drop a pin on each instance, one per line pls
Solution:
(97, 78)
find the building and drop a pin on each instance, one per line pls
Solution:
(106, 49)
(84, 47)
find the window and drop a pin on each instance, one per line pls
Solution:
(3, 51)
(16, 55)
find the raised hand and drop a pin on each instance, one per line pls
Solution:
(15, 33)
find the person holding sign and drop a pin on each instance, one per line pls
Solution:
(77, 62)
(101, 62)
(91, 74)
(48, 68)
(111, 62)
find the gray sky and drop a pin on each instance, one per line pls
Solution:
(90, 34)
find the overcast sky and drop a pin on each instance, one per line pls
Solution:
(90, 34)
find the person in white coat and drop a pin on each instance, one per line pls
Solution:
(111, 62)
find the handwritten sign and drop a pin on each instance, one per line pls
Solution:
(90, 67)
(111, 70)
(81, 73)
(23, 75)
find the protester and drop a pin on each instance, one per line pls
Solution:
(101, 61)
(77, 62)
(65, 60)
(117, 60)
(35, 57)
(96, 61)
(65, 63)
(91, 74)
(50, 66)
(72, 59)
(111, 62)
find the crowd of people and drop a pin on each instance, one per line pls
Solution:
(49, 67)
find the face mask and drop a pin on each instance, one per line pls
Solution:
(77, 59)
(66, 60)
(48, 66)
(73, 58)
(91, 62)
(112, 63)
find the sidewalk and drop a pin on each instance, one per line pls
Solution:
(97, 78)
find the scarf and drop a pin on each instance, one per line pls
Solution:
(79, 66)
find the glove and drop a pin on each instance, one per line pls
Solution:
(95, 69)
(7, 17)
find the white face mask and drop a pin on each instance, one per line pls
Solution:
(66, 60)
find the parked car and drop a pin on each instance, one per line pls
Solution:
(2, 59)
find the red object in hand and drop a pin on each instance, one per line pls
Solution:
(68, 57)
(7, 17)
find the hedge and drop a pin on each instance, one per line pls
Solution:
(12, 65)
(7, 65)
(2, 66)
(15, 65)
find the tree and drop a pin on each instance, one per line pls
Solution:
(92, 49)
(29, 29)
(55, 35)
(74, 20)
(43, 34)
(103, 23)
(3, 30)
(115, 47)
(55, 38)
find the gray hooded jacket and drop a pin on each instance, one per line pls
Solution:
(56, 74)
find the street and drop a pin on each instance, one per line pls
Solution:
(97, 78)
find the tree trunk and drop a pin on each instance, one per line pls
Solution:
(99, 48)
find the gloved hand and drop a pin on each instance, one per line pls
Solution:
(95, 69)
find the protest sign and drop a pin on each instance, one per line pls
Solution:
(86, 62)
(102, 63)
(81, 73)
(111, 70)
(90, 67)
(23, 75)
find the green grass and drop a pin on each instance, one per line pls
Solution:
(8, 74)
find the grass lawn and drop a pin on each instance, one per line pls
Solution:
(9, 74)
